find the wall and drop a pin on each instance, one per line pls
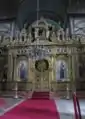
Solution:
(7, 28)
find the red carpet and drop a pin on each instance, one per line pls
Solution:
(40, 95)
(33, 109)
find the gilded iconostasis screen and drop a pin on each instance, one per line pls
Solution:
(77, 26)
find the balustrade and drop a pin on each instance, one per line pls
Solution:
(13, 88)
(24, 39)
(62, 88)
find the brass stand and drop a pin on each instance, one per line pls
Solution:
(67, 92)
(16, 91)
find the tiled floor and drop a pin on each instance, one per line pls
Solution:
(9, 104)
(66, 108)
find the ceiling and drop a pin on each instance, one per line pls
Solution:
(25, 11)
(8, 8)
(52, 9)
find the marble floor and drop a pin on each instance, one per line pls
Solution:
(65, 107)
(9, 104)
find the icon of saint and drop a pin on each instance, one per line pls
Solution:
(62, 71)
(22, 71)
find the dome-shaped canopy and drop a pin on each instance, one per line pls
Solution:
(53, 23)
(43, 22)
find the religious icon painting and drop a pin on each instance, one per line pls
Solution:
(22, 70)
(61, 70)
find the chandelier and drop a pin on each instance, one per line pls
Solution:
(38, 52)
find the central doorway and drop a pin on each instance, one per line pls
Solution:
(41, 75)
(42, 82)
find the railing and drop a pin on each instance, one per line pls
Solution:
(76, 107)
(62, 88)
(13, 88)
(10, 85)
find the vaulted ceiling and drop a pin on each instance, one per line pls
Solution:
(25, 11)
(8, 8)
(52, 9)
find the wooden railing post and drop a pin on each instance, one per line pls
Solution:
(76, 107)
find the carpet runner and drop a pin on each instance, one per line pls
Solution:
(33, 109)
(40, 95)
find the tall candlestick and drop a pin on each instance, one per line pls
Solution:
(52, 69)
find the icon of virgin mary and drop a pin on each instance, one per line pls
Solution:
(62, 71)
(22, 71)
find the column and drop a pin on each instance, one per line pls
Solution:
(14, 78)
(69, 78)
(77, 65)
(32, 73)
(29, 75)
(73, 67)
(52, 73)
(73, 73)
(9, 75)
(69, 68)
(52, 68)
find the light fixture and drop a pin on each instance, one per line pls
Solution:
(39, 52)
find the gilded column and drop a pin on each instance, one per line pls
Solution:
(69, 77)
(14, 78)
(9, 75)
(50, 71)
(73, 73)
(73, 67)
(77, 66)
(29, 86)
(52, 74)
(28, 69)
(69, 68)
(11, 66)
(32, 73)
(52, 68)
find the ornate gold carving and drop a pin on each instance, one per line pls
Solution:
(41, 65)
